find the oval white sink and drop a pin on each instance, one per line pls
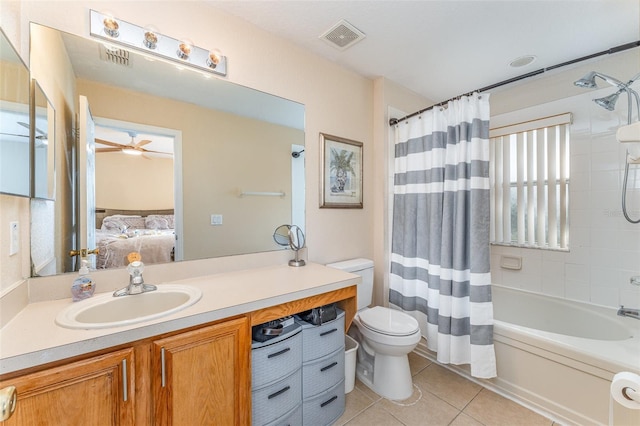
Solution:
(104, 311)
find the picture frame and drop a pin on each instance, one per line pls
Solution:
(341, 173)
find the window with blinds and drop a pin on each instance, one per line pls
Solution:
(529, 175)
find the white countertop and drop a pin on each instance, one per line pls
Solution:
(33, 338)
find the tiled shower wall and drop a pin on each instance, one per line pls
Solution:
(604, 248)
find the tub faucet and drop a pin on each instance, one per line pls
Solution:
(626, 312)
(136, 281)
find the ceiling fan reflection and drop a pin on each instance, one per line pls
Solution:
(133, 148)
(41, 140)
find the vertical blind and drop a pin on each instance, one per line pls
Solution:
(529, 177)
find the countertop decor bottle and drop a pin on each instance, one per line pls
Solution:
(83, 286)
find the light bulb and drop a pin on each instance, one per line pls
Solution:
(151, 37)
(184, 49)
(214, 58)
(111, 27)
(131, 151)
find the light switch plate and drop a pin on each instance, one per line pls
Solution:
(216, 219)
(14, 238)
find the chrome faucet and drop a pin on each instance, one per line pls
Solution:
(626, 312)
(136, 281)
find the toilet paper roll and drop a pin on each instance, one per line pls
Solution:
(625, 390)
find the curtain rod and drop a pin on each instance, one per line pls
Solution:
(621, 48)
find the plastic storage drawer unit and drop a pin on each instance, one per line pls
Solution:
(276, 358)
(322, 374)
(325, 408)
(292, 418)
(321, 340)
(277, 399)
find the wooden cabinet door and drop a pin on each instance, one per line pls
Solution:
(202, 377)
(95, 391)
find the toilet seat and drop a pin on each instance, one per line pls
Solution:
(387, 321)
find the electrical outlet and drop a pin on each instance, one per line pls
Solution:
(14, 238)
(216, 219)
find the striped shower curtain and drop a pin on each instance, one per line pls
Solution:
(440, 232)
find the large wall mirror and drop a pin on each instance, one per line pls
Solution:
(212, 172)
(14, 121)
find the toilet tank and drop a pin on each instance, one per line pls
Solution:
(364, 268)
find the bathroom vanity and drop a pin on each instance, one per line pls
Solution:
(192, 367)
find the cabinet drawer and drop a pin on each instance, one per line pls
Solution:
(325, 408)
(292, 418)
(271, 362)
(273, 401)
(322, 374)
(321, 340)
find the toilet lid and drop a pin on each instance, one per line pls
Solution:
(388, 321)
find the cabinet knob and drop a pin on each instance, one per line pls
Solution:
(8, 400)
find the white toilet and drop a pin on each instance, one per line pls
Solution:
(385, 336)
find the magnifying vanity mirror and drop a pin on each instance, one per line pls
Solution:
(293, 237)
(233, 174)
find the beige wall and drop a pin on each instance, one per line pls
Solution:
(236, 154)
(15, 87)
(337, 101)
(16, 267)
(130, 182)
(126, 182)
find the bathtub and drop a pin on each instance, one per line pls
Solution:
(558, 357)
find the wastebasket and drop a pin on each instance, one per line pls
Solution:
(350, 356)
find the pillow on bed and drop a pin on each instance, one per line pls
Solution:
(156, 223)
(120, 223)
(160, 219)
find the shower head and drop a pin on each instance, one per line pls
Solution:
(296, 154)
(589, 81)
(609, 102)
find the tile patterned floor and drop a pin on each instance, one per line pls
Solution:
(441, 398)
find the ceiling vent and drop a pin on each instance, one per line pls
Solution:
(115, 56)
(342, 35)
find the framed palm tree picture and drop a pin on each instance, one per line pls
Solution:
(341, 173)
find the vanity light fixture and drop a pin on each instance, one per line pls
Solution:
(149, 41)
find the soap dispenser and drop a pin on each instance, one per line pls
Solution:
(83, 286)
